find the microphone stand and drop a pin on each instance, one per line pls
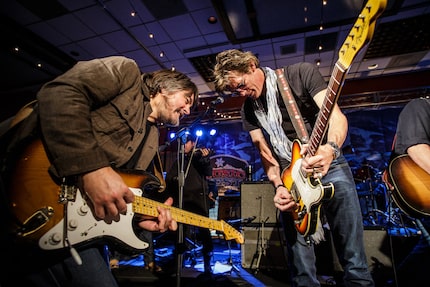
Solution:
(181, 179)
(181, 137)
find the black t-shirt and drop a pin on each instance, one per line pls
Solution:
(413, 126)
(305, 82)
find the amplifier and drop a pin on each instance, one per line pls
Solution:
(264, 248)
(257, 201)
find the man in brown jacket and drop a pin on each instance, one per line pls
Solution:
(100, 116)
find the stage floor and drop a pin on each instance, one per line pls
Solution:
(229, 270)
(226, 264)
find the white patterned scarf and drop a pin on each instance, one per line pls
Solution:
(272, 121)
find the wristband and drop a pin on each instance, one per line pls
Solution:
(278, 186)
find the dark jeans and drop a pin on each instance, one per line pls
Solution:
(94, 271)
(344, 217)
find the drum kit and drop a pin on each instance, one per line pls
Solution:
(377, 206)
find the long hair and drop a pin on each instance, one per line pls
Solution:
(232, 60)
(170, 81)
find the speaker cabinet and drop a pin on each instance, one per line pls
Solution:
(383, 249)
(377, 248)
(257, 201)
(264, 248)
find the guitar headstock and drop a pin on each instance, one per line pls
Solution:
(361, 32)
(231, 233)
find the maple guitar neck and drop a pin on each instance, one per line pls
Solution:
(146, 206)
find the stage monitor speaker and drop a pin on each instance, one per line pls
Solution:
(264, 248)
(257, 200)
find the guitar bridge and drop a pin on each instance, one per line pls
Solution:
(67, 192)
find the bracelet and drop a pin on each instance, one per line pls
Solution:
(278, 186)
(336, 149)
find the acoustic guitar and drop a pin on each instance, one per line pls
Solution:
(411, 186)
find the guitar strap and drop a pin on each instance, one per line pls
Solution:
(291, 105)
(23, 113)
(158, 172)
(302, 133)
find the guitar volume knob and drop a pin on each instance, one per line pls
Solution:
(73, 224)
(55, 238)
(83, 210)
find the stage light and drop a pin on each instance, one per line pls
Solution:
(212, 132)
(199, 133)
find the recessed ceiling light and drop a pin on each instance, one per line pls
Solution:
(212, 20)
(372, 67)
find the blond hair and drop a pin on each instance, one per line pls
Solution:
(232, 60)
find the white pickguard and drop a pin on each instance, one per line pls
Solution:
(308, 193)
(83, 227)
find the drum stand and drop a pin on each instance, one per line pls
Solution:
(371, 206)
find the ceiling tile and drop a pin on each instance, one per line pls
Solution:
(97, 20)
(121, 41)
(97, 46)
(180, 27)
(71, 27)
(49, 33)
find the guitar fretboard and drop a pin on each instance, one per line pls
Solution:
(146, 206)
(333, 92)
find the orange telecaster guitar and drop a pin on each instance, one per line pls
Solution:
(306, 191)
(36, 202)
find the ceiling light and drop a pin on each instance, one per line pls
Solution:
(372, 67)
(151, 35)
(212, 20)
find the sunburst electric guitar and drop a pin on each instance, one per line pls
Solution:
(411, 186)
(309, 193)
(55, 216)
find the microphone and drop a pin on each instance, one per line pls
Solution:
(250, 219)
(242, 220)
(217, 101)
